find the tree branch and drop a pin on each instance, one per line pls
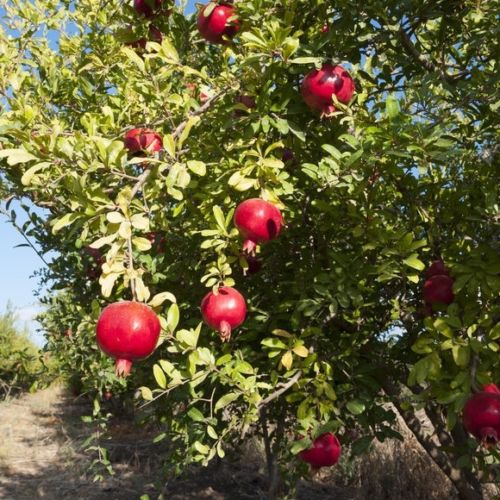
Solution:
(280, 391)
(464, 488)
(425, 62)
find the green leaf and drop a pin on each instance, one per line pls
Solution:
(169, 145)
(219, 217)
(287, 360)
(301, 351)
(16, 156)
(173, 317)
(115, 217)
(461, 355)
(146, 393)
(161, 297)
(198, 167)
(306, 60)
(64, 221)
(274, 343)
(30, 173)
(414, 262)
(159, 376)
(195, 414)
(361, 446)
(211, 432)
(225, 400)
(355, 406)
(392, 107)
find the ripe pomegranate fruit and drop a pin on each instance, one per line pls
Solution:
(481, 415)
(143, 140)
(247, 101)
(324, 452)
(325, 28)
(438, 289)
(155, 35)
(127, 331)
(158, 241)
(258, 221)
(219, 23)
(108, 395)
(437, 267)
(224, 311)
(147, 8)
(319, 86)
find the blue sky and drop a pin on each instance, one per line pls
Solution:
(17, 266)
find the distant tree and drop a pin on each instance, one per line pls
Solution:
(19, 362)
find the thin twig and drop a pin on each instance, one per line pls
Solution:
(280, 391)
(131, 269)
(7, 214)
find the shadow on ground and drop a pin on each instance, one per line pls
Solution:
(41, 456)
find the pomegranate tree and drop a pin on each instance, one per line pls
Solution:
(143, 140)
(127, 331)
(324, 452)
(438, 289)
(224, 311)
(481, 415)
(218, 22)
(258, 221)
(319, 86)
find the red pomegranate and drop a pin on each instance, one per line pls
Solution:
(127, 331)
(224, 311)
(438, 289)
(325, 28)
(143, 140)
(158, 242)
(247, 101)
(319, 86)
(481, 415)
(258, 221)
(155, 35)
(324, 452)
(147, 8)
(437, 267)
(218, 23)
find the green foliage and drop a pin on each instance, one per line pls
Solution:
(402, 175)
(20, 367)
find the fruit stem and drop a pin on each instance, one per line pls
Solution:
(249, 247)
(225, 331)
(123, 367)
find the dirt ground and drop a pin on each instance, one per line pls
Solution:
(41, 456)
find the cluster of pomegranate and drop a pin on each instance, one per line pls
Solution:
(258, 221)
(150, 9)
(438, 287)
